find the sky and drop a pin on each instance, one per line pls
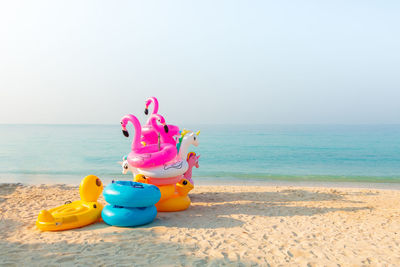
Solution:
(208, 62)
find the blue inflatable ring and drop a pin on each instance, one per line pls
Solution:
(126, 217)
(131, 194)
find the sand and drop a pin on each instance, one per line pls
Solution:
(226, 225)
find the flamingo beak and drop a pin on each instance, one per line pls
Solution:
(146, 111)
(166, 128)
(125, 132)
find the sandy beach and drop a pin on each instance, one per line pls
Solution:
(226, 225)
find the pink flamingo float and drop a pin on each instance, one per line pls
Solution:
(150, 136)
(149, 155)
(148, 102)
(171, 131)
(149, 133)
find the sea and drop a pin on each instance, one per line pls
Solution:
(230, 154)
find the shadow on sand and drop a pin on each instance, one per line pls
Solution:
(7, 189)
(144, 246)
(215, 207)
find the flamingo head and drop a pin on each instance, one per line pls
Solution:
(146, 109)
(148, 102)
(124, 130)
(161, 120)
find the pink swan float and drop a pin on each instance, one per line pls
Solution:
(149, 155)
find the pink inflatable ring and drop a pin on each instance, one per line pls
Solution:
(149, 155)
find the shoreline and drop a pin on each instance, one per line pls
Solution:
(249, 182)
(311, 184)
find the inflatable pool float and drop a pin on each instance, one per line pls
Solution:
(128, 217)
(189, 139)
(179, 200)
(148, 102)
(131, 203)
(179, 141)
(178, 166)
(166, 191)
(173, 197)
(131, 194)
(75, 214)
(158, 181)
(166, 170)
(193, 161)
(150, 134)
(164, 181)
(150, 155)
(175, 191)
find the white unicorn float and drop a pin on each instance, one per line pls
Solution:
(126, 167)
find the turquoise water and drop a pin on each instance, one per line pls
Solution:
(65, 153)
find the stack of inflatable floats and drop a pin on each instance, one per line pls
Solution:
(162, 170)
(159, 156)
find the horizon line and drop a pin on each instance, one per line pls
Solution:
(216, 124)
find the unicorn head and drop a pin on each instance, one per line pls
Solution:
(125, 166)
(193, 160)
(194, 137)
(188, 139)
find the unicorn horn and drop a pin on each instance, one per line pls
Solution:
(198, 132)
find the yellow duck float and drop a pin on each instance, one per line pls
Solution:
(174, 197)
(75, 214)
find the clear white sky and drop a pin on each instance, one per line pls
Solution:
(207, 61)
